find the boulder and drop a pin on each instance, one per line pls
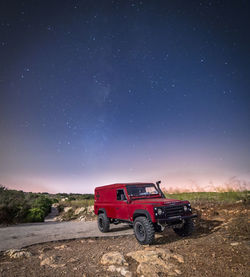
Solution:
(79, 210)
(155, 261)
(113, 258)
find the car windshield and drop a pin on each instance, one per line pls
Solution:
(142, 190)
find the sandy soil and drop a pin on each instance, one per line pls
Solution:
(219, 247)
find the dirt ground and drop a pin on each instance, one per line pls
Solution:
(219, 247)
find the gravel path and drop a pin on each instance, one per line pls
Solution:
(52, 215)
(31, 233)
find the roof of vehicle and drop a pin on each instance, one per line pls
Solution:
(116, 185)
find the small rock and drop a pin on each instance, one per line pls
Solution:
(72, 260)
(48, 261)
(61, 247)
(122, 270)
(66, 209)
(178, 271)
(79, 210)
(18, 253)
(41, 257)
(234, 243)
(45, 249)
(179, 258)
(112, 258)
(82, 218)
(65, 199)
(112, 268)
(51, 261)
(90, 209)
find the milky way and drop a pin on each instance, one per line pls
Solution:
(95, 92)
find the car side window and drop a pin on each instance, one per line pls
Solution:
(120, 195)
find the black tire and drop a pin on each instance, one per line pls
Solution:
(144, 230)
(187, 228)
(103, 223)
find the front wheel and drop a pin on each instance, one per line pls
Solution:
(144, 230)
(187, 228)
(103, 223)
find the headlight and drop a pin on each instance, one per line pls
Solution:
(189, 207)
(159, 211)
(185, 208)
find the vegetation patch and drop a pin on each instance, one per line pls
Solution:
(18, 206)
(227, 196)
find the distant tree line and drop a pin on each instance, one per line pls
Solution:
(18, 206)
(74, 196)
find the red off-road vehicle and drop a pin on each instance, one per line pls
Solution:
(143, 206)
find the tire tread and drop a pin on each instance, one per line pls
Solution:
(106, 223)
(149, 227)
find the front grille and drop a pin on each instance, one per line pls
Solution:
(169, 211)
(173, 210)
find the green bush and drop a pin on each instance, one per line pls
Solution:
(35, 215)
(54, 200)
(43, 203)
(17, 206)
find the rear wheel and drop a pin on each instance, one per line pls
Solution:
(187, 228)
(103, 223)
(144, 230)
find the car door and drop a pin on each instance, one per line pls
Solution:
(121, 205)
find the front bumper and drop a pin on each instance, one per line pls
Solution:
(175, 219)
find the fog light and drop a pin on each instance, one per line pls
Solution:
(159, 211)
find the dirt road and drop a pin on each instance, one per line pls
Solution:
(27, 234)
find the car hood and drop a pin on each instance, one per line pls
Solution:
(159, 201)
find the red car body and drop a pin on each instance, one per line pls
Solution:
(126, 210)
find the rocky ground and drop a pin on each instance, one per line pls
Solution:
(74, 213)
(219, 247)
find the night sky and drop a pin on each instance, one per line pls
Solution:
(96, 92)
